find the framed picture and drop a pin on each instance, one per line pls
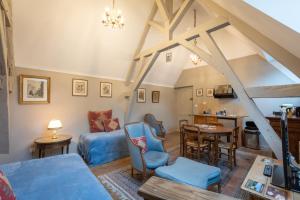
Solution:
(105, 89)
(199, 92)
(34, 89)
(155, 96)
(141, 95)
(80, 87)
(209, 92)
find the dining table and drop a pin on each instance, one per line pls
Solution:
(210, 131)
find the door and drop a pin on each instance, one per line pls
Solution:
(184, 103)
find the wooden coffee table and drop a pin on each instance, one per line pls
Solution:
(45, 143)
(161, 189)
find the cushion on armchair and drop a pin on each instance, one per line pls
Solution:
(6, 192)
(141, 142)
(96, 120)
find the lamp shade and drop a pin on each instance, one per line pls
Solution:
(55, 124)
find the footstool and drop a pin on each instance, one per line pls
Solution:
(190, 172)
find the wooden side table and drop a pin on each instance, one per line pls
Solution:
(46, 143)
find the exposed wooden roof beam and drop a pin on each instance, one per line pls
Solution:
(279, 91)
(163, 10)
(8, 16)
(223, 66)
(285, 54)
(141, 42)
(209, 26)
(180, 13)
(157, 25)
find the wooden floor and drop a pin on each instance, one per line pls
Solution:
(172, 142)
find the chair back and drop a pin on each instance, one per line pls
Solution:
(235, 135)
(154, 123)
(181, 123)
(192, 132)
(134, 130)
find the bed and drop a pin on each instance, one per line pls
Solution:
(103, 147)
(58, 177)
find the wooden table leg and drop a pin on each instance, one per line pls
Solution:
(62, 150)
(40, 152)
(216, 150)
(67, 149)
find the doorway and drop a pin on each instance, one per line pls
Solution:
(184, 103)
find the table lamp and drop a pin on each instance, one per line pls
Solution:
(54, 125)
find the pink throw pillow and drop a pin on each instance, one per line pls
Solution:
(141, 142)
(111, 124)
(6, 192)
(96, 120)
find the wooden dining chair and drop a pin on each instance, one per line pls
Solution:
(181, 123)
(230, 147)
(210, 139)
(193, 143)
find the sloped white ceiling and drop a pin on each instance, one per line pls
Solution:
(68, 36)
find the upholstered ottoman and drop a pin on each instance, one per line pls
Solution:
(190, 172)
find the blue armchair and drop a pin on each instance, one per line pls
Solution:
(154, 157)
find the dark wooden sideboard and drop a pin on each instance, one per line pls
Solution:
(294, 133)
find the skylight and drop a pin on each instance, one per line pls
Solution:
(284, 11)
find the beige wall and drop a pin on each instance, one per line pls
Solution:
(30, 121)
(252, 71)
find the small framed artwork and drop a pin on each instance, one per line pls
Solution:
(105, 89)
(80, 87)
(155, 96)
(141, 95)
(209, 92)
(34, 89)
(199, 92)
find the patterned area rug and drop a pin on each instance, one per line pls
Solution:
(122, 186)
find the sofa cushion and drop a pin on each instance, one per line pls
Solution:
(154, 159)
(6, 192)
(96, 120)
(111, 124)
(190, 172)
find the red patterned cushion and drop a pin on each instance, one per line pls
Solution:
(141, 142)
(6, 192)
(111, 124)
(96, 120)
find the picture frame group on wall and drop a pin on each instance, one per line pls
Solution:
(155, 96)
(79, 87)
(209, 92)
(106, 89)
(141, 95)
(34, 89)
(199, 92)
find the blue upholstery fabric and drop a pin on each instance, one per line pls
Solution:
(155, 155)
(100, 148)
(155, 159)
(190, 172)
(59, 177)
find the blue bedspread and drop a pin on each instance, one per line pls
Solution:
(63, 177)
(100, 148)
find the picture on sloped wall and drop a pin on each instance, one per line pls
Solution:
(209, 92)
(199, 92)
(141, 95)
(105, 89)
(34, 89)
(80, 87)
(155, 96)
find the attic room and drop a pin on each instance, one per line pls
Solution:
(152, 99)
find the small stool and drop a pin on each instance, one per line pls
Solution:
(192, 173)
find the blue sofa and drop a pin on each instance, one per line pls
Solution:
(64, 177)
(100, 148)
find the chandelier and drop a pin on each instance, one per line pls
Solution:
(113, 17)
(195, 58)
